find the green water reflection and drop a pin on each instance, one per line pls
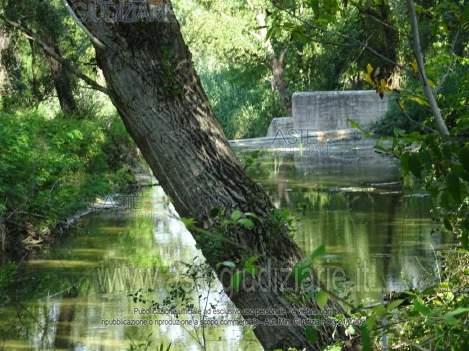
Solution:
(62, 296)
(377, 239)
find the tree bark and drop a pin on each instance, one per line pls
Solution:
(63, 83)
(152, 82)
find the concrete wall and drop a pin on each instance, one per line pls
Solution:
(280, 123)
(329, 110)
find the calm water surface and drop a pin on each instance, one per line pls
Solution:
(377, 238)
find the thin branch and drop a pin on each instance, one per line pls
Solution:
(450, 67)
(439, 121)
(376, 19)
(418, 124)
(93, 39)
(51, 52)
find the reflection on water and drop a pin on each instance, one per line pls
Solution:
(62, 297)
(377, 239)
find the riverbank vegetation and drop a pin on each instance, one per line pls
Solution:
(54, 166)
(62, 144)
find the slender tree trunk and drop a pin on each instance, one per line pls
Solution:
(5, 84)
(439, 121)
(63, 83)
(9, 65)
(278, 80)
(276, 62)
(153, 84)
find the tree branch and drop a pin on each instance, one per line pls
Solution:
(51, 52)
(450, 67)
(93, 39)
(439, 121)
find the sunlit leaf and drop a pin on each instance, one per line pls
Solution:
(419, 100)
(246, 223)
(236, 281)
(321, 299)
(236, 215)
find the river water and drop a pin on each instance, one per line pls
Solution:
(377, 237)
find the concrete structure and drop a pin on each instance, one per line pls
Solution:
(320, 140)
(280, 123)
(330, 110)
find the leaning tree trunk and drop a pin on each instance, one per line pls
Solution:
(62, 78)
(153, 84)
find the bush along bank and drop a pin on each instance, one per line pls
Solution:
(52, 168)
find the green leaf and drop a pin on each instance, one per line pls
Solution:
(419, 100)
(320, 251)
(246, 223)
(370, 323)
(365, 338)
(236, 280)
(355, 125)
(321, 299)
(250, 266)
(379, 311)
(251, 261)
(394, 304)
(311, 334)
(236, 215)
(420, 307)
(457, 312)
(188, 222)
(250, 214)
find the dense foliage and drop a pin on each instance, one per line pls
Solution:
(51, 167)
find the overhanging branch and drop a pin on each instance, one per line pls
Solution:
(51, 52)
